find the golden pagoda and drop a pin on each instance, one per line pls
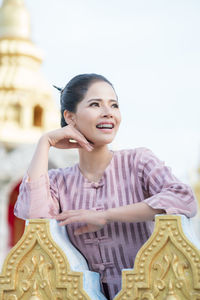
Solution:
(27, 107)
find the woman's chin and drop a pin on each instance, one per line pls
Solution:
(100, 143)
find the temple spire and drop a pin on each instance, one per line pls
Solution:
(27, 105)
(14, 20)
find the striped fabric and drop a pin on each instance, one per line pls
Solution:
(132, 176)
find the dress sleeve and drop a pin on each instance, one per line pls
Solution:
(163, 190)
(39, 198)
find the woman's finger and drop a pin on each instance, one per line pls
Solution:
(81, 230)
(79, 216)
(74, 145)
(87, 229)
(77, 134)
(80, 138)
(67, 214)
(70, 220)
(82, 143)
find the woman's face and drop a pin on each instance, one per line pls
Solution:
(98, 116)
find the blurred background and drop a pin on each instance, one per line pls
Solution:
(149, 50)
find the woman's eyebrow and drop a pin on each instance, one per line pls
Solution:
(97, 99)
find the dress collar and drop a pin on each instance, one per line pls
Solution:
(100, 183)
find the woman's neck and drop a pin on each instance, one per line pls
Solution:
(93, 164)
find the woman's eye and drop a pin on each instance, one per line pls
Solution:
(94, 104)
(115, 105)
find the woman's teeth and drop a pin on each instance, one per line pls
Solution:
(109, 126)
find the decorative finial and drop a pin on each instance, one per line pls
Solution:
(14, 20)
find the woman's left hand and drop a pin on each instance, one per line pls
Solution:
(94, 220)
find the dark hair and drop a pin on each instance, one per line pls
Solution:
(75, 90)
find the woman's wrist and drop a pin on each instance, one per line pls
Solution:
(137, 212)
(44, 140)
(107, 216)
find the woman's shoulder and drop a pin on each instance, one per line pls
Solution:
(135, 152)
(62, 172)
(137, 156)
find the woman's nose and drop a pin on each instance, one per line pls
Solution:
(107, 112)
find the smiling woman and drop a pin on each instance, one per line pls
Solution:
(97, 116)
(109, 199)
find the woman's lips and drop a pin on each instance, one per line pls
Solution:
(105, 125)
(105, 130)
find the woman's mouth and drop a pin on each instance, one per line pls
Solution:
(105, 126)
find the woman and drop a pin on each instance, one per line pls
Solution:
(108, 199)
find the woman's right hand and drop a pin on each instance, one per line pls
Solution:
(67, 137)
(59, 138)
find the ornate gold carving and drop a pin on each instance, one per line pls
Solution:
(167, 267)
(37, 269)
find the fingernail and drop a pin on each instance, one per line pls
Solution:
(89, 148)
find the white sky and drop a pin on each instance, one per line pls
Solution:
(149, 50)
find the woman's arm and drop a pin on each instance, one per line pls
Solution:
(39, 163)
(39, 196)
(59, 138)
(138, 212)
(35, 199)
(162, 189)
(164, 193)
(95, 220)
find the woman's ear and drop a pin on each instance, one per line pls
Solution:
(69, 117)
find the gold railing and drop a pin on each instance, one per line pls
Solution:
(167, 267)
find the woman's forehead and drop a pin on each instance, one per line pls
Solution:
(100, 90)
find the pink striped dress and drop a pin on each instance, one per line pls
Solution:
(132, 176)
